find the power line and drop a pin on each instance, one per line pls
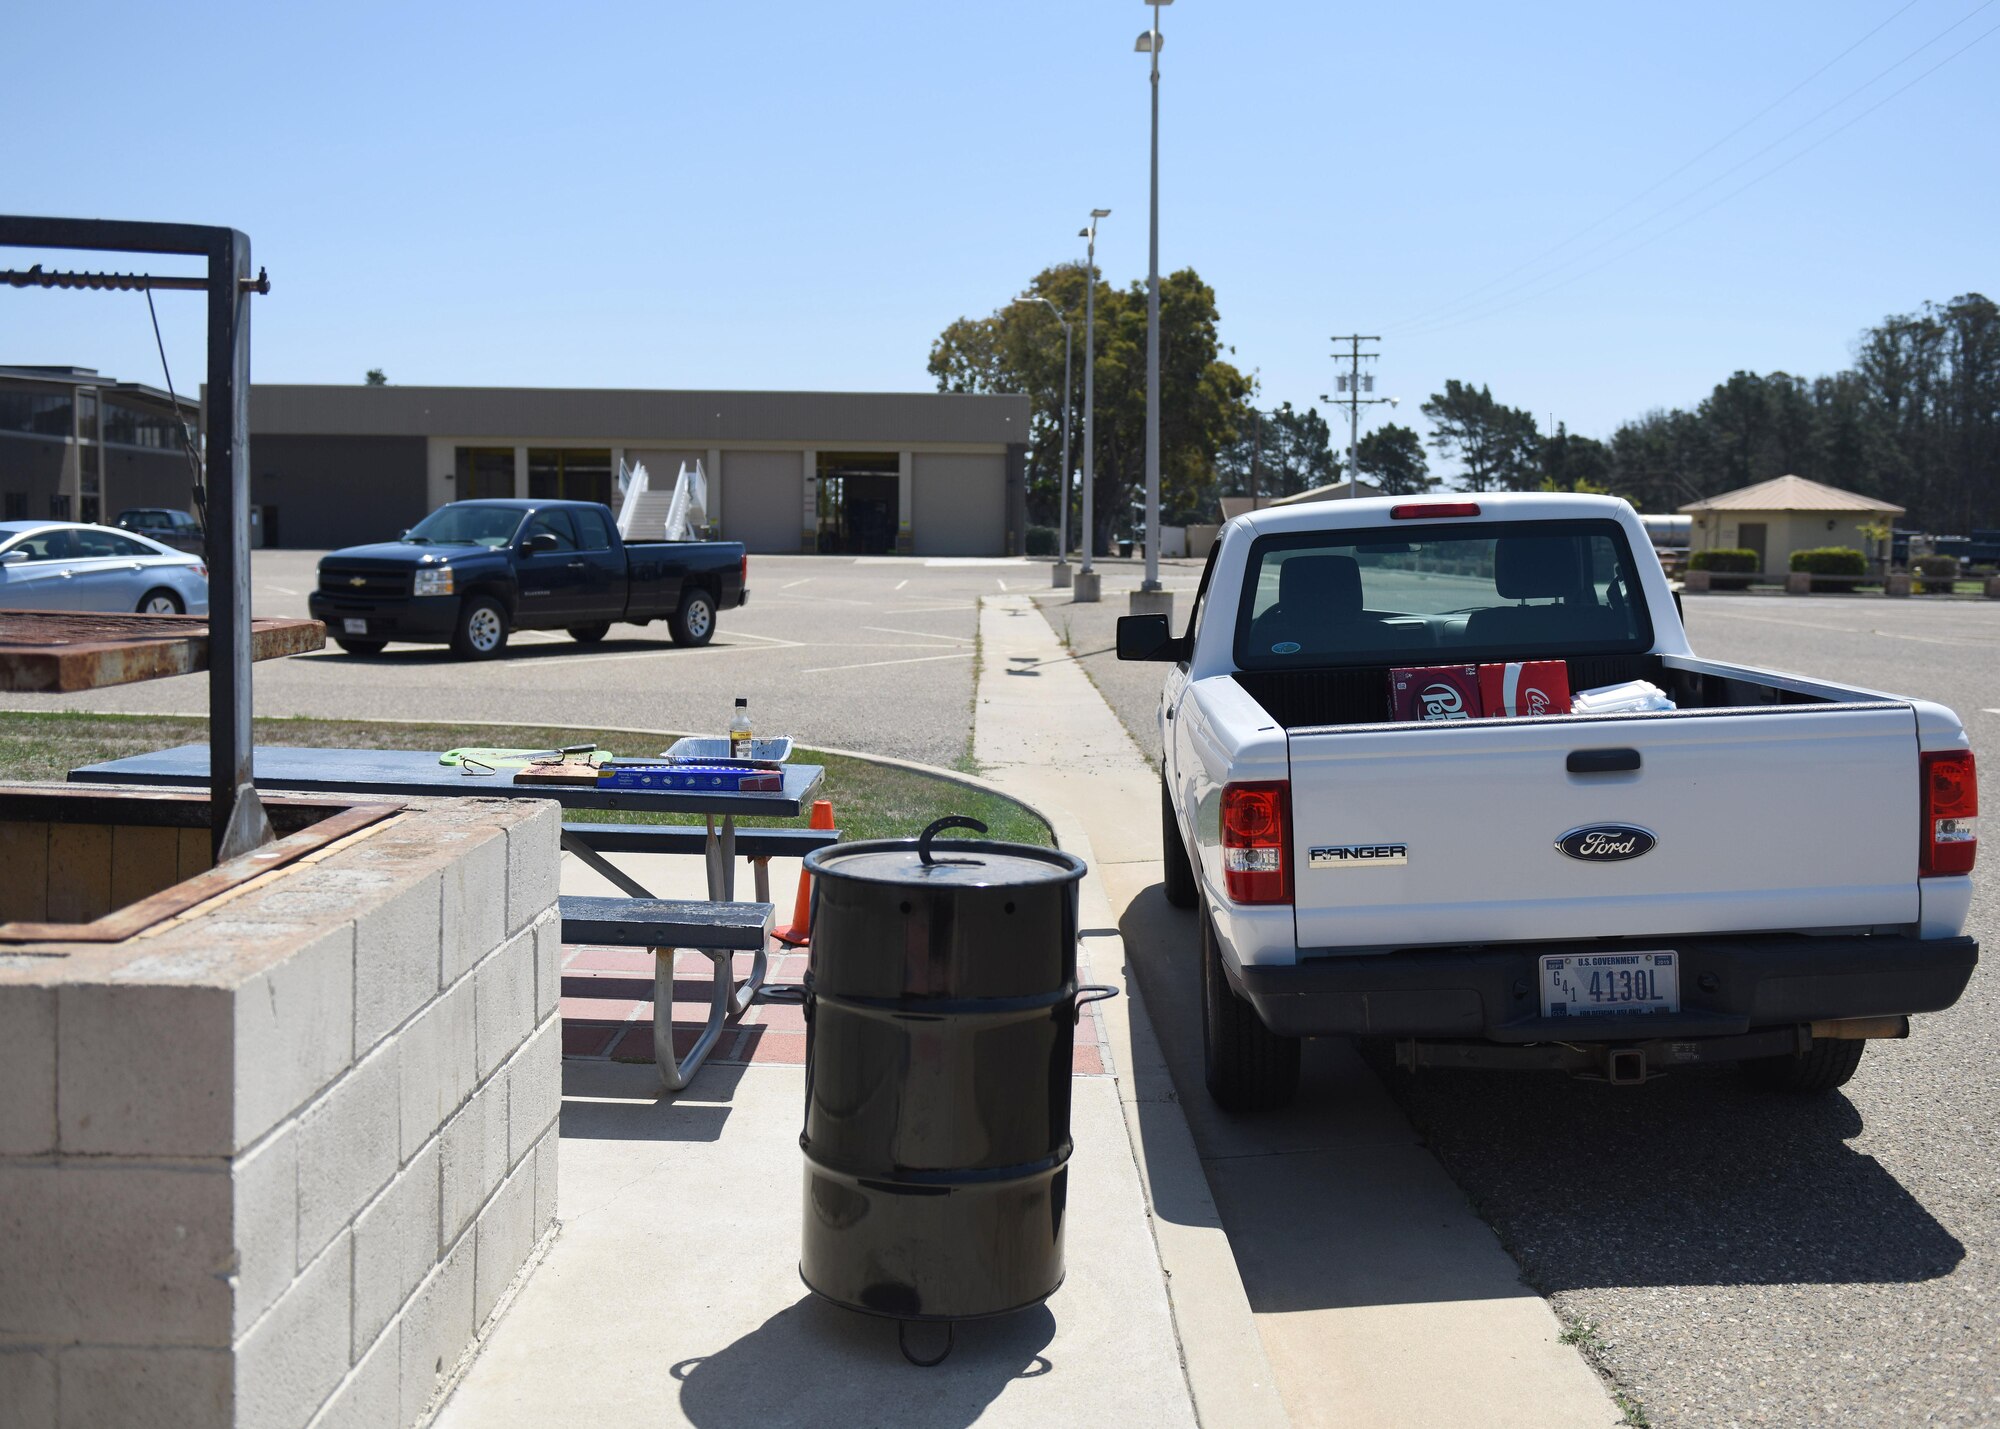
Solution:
(1452, 303)
(1450, 318)
(1725, 198)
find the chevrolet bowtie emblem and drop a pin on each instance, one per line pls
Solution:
(357, 580)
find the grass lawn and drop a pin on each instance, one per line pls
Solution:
(870, 801)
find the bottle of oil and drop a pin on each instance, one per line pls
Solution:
(739, 731)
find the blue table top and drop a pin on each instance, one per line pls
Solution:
(418, 774)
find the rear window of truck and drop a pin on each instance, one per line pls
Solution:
(1506, 590)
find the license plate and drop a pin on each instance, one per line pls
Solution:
(353, 627)
(1596, 984)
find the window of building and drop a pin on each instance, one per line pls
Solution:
(16, 506)
(41, 414)
(484, 473)
(137, 427)
(859, 502)
(560, 474)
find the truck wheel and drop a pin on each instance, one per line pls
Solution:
(590, 634)
(359, 647)
(481, 633)
(1827, 1064)
(1248, 1067)
(1178, 882)
(694, 622)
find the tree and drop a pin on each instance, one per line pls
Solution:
(1575, 463)
(376, 378)
(1018, 348)
(1495, 444)
(1393, 458)
(1291, 451)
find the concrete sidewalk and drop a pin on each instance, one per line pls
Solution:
(1344, 1267)
(671, 1295)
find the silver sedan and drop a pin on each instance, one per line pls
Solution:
(65, 565)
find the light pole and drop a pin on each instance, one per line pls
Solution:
(1087, 578)
(1150, 597)
(1059, 577)
(1354, 405)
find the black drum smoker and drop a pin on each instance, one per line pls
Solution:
(941, 1005)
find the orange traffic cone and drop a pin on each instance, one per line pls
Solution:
(800, 931)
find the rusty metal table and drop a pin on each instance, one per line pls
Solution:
(65, 651)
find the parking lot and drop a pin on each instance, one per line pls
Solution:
(1729, 1258)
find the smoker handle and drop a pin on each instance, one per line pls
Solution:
(1092, 992)
(949, 821)
(782, 994)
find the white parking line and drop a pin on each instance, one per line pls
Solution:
(565, 664)
(924, 634)
(901, 583)
(281, 589)
(871, 664)
(800, 581)
(1842, 629)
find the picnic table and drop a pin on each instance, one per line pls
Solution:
(718, 929)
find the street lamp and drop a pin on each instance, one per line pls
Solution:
(1060, 575)
(1149, 597)
(1087, 579)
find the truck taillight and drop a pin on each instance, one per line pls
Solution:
(1951, 813)
(1424, 510)
(743, 570)
(1256, 835)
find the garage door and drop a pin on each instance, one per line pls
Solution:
(959, 505)
(763, 500)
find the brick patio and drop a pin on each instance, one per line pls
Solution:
(607, 1012)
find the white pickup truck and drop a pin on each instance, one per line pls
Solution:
(1770, 872)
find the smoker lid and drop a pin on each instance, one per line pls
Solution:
(946, 863)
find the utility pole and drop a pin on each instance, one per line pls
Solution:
(1086, 583)
(1152, 597)
(1353, 384)
(1256, 451)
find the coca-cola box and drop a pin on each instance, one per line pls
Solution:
(1524, 687)
(1434, 692)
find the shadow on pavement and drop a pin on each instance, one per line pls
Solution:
(413, 655)
(1693, 1179)
(846, 1366)
(622, 1101)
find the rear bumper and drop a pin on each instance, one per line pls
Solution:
(1729, 986)
(426, 619)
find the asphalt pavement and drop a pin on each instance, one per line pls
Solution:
(823, 640)
(1729, 1258)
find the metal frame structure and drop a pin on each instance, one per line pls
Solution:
(237, 820)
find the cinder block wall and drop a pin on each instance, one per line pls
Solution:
(276, 1164)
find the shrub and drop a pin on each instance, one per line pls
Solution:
(1831, 561)
(1935, 573)
(1725, 560)
(1041, 540)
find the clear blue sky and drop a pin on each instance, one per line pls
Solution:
(801, 196)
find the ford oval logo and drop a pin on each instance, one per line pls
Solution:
(1606, 843)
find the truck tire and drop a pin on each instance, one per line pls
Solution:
(590, 634)
(359, 647)
(1248, 1067)
(1177, 881)
(694, 622)
(481, 632)
(1825, 1065)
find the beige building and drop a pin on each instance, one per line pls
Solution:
(1786, 514)
(866, 473)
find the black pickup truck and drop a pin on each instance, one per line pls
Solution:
(470, 572)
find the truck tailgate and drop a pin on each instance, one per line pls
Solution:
(1763, 819)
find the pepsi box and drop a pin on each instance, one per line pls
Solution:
(1428, 692)
(684, 777)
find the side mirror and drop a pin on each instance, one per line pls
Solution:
(11, 558)
(539, 542)
(1147, 637)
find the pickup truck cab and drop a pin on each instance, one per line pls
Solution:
(1770, 872)
(472, 571)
